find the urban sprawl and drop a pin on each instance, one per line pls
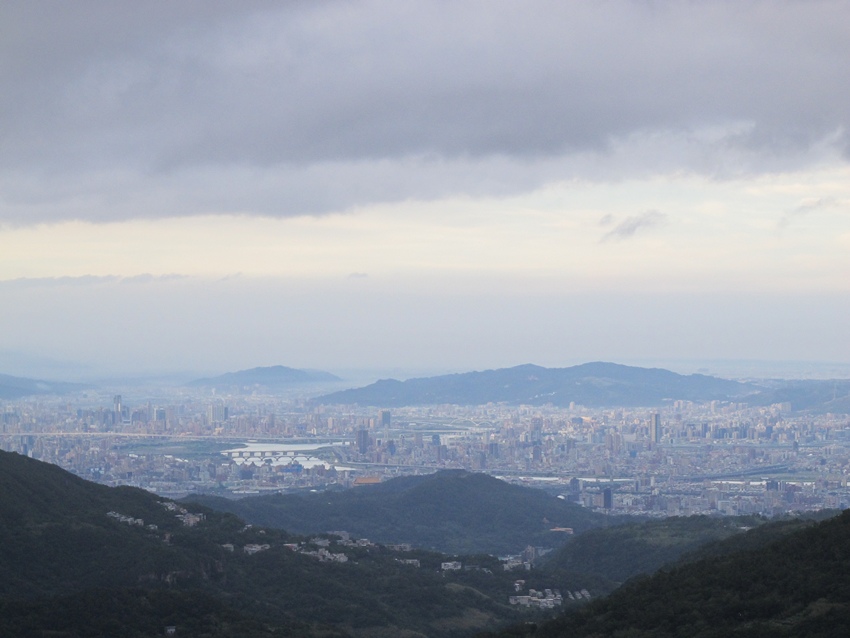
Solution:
(684, 458)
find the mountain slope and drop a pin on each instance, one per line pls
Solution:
(75, 560)
(136, 613)
(796, 586)
(616, 554)
(56, 536)
(590, 384)
(451, 511)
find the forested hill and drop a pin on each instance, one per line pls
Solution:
(57, 537)
(34, 494)
(613, 555)
(80, 559)
(591, 384)
(452, 511)
(798, 585)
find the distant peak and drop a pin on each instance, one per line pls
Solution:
(270, 376)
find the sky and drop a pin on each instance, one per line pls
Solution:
(427, 186)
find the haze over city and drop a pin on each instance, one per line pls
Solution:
(209, 186)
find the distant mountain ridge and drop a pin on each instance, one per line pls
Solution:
(272, 377)
(596, 384)
(16, 387)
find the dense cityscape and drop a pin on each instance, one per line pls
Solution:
(685, 458)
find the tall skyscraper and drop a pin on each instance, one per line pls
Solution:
(655, 427)
(362, 441)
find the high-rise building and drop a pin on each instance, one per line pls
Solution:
(537, 453)
(655, 427)
(217, 413)
(362, 440)
(386, 417)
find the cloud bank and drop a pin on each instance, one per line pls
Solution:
(117, 110)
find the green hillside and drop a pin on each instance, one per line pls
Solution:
(451, 511)
(797, 585)
(75, 554)
(138, 613)
(618, 553)
(57, 537)
(80, 559)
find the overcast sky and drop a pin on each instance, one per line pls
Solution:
(210, 186)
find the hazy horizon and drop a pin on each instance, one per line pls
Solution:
(20, 365)
(208, 186)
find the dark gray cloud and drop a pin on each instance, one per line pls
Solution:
(115, 109)
(633, 224)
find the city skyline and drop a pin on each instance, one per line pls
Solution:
(213, 187)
